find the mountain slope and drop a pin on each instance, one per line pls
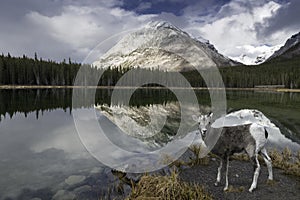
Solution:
(162, 45)
(290, 49)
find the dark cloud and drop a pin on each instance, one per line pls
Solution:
(156, 7)
(285, 19)
(13, 10)
(176, 7)
(173, 19)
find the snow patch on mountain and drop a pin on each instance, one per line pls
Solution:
(256, 54)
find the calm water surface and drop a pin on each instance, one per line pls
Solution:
(41, 155)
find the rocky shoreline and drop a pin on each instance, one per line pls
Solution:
(240, 178)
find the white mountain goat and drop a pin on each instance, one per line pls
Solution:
(250, 137)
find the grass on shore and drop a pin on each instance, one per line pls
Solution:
(167, 188)
(284, 160)
(193, 160)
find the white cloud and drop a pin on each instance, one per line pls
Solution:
(233, 29)
(82, 28)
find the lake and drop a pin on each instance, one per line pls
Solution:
(41, 155)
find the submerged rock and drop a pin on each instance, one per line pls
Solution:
(74, 179)
(96, 170)
(63, 194)
(82, 189)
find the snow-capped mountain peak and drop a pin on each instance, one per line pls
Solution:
(160, 25)
(256, 54)
(161, 44)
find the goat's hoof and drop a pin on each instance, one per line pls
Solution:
(251, 189)
(225, 189)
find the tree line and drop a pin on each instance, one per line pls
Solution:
(28, 71)
(34, 71)
(43, 100)
(284, 72)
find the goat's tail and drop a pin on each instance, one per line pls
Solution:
(266, 133)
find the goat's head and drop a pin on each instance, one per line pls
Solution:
(204, 122)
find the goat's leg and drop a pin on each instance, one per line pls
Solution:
(226, 174)
(219, 173)
(256, 172)
(268, 162)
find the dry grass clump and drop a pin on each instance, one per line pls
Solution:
(286, 161)
(197, 160)
(271, 182)
(176, 163)
(235, 189)
(240, 156)
(193, 160)
(167, 188)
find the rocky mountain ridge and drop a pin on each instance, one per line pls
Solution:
(290, 49)
(162, 45)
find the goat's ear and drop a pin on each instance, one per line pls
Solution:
(195, 118)
(210, 115)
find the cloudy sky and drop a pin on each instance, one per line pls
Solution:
(58, 29)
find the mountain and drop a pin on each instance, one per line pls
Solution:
(161, 45)
(266, 55)
(290, 49)
(254, 57)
